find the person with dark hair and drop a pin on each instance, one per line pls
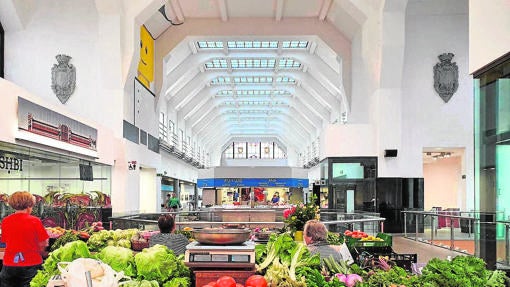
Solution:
(173, 203)
(276, 198)
(26, 241)
(167, 237)
(315, 235)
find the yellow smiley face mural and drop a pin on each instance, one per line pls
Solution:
(146, 64)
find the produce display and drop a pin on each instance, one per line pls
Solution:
(281, 262)
(156, 266)
(118, 237)
(284, 262)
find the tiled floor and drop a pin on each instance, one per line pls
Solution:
(424, 251)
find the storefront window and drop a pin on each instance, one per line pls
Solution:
(492, 155)
(44, 173)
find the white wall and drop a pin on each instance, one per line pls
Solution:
(489, 31)
(348, 140)
(52, 30)
(176, 168)
(432, 28)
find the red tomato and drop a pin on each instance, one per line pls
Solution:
(256, 281)
(212, 283)
(239, 285)
(225, 281)
(348, 233)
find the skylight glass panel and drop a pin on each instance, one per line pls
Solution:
(294, 44)
(210, 45)
(220, 81)
(225, 93)
(252, 44)
(252, 111)
(284, 80)
(254, 103)
(217, 63)
(287, 63)
(255, 93)
(253, 80)
(248, 63)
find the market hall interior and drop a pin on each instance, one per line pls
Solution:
(372, 106)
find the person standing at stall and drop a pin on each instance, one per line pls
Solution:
(276, 198)
(173, 203)
(26, 240)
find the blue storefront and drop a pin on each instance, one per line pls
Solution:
(241, 191)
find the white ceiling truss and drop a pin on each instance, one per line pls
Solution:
(254, 87)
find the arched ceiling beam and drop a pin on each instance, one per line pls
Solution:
(233, 127)
(324, 72)
(279, 117)
(215, 123)
(206, 97)
(206, 118)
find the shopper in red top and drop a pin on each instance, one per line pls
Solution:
(25, 239)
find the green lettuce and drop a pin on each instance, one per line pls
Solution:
(119, 258)
(67, 253)
(159, 263)
(140, 283)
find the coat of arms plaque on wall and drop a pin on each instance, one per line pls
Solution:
(63, 78)
(446, 76)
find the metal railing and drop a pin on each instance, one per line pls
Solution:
(250, 218)
(439, 227)
(471, 229)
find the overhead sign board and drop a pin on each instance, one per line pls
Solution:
(252, 182)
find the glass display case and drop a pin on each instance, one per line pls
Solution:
(63, 190)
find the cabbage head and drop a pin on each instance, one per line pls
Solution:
(140, 283)
(119, 258)
(159, 263)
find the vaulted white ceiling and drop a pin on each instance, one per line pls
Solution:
(255, 86)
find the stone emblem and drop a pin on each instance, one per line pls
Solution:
(63, 78)
(446, 76)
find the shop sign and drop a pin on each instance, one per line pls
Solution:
(252, 182)
(11, 163)
(41, 121)
(132, 165)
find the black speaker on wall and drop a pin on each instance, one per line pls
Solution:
(390, 153)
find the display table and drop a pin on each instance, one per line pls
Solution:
(202, 277)
(250, 215)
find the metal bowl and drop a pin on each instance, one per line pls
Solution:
(221, 236)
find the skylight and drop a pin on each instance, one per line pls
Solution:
(284, 79)
(218, 63)
(222, 80)
(254, 103)
(261, 45)
(253, 111)
(252, 44)
(252, 63)
(263, 63)
(294, 44)
(253, 93)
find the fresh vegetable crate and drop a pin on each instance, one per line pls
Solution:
(356, 242)
(386, 237)
(202, 277)
(404, 260)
